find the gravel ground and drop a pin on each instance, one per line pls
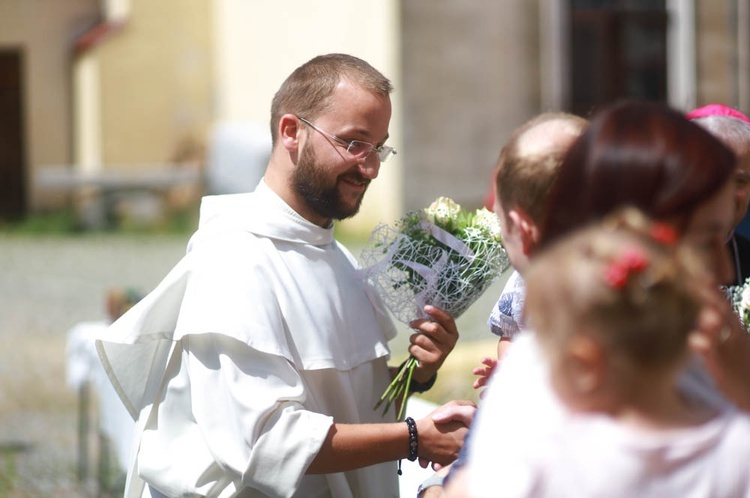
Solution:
(47, 285)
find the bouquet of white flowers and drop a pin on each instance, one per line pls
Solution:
(443, 256)
(740, 296)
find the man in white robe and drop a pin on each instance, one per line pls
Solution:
(253, 368)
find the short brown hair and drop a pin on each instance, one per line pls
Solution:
(307, 91)
(523, 177)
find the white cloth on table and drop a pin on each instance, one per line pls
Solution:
(240, 360)
(83, 366)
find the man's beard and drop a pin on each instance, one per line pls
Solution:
(312, 182)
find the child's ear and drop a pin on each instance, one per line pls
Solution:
(527, 229)
(587, 360)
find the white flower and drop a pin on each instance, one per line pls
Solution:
(740, 298)
(745, 302)
(487, 220)
(443, 211)
(475, 234)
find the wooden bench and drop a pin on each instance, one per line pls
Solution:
(101, 190)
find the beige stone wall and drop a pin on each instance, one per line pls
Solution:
(45, 31)
(466, 73)
(471, 75)
(716, 73)
(156, 78)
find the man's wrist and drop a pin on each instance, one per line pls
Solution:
(419, 387)
(413, 442)
(413, 439)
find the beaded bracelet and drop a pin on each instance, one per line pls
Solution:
(413, 442)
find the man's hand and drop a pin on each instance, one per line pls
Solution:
(442, 432)
(455, 411)
(435, 339)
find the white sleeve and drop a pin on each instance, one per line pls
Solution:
(245, 424)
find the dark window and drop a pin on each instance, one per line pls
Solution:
(12, 154)
(618, 50)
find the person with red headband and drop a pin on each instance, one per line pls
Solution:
(733, 128)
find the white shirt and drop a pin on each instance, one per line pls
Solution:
(595, 456)
(240, 360)
(524, 442)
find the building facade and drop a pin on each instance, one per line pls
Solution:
(112, 84)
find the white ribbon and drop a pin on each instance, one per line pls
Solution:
(430, 276)
(423, 294)
(448, 239)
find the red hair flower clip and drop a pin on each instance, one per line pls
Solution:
(666, 234)
(631, 260)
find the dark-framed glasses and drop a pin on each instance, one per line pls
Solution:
(356, 148)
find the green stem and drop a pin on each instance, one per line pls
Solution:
(411, 365)
(398, 388)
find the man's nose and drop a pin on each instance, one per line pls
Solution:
(370, 166)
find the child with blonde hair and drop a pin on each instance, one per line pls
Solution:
(613, 306)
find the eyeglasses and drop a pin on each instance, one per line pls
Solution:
(356, 148)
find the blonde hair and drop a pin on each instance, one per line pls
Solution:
(620, 282)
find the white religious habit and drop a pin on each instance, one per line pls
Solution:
(237, 364)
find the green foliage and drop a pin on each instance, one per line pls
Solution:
(8, 471)
(57, 222)
(66, 222)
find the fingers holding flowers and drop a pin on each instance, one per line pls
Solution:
(723, 343)
(435, 339)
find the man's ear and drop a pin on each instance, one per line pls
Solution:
(527, 229)
(289, 127)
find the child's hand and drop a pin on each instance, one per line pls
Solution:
(484, 372)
